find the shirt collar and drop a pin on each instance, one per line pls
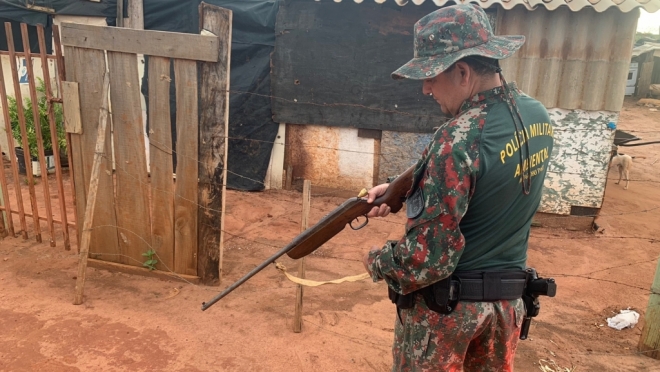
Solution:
(489, 96)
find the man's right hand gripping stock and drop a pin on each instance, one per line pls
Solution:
(383, 210)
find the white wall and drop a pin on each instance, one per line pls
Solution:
(331, 156)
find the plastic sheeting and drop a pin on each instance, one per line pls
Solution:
(251, 128)
(18, 39)
(12, 13)
(36, 10)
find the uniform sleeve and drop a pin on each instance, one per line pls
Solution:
(433, 243)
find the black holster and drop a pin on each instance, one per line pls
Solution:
(440, 297)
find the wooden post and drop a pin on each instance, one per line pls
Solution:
(120, 13)
(307, 193)
(645, 74)
(136, 14)
(21, 121)
(212, 150)
(93, 188)
(289, 177)
(376, 170)
(186, 188)
(649, 341)
(160, 140)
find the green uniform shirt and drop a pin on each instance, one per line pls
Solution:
(473, 213)
(497, 223)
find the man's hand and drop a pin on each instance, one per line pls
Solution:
(365, 259)
(383, 210)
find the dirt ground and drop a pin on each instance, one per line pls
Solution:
(135, 323)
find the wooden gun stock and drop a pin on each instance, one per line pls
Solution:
(311, 239)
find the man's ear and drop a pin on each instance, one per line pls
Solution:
(463, 72)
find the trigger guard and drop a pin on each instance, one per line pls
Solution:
(361, 226)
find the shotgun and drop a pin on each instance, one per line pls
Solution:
(330, 225)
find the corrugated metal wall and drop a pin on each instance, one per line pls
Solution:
(571, 60)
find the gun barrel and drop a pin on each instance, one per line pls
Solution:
(280, 253)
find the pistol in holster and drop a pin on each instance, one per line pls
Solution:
(534, 288)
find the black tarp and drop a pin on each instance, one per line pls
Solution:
(38, 13)
(12, 13)
(332, 66)
(105, 8)
(251, 128)
(18, 39)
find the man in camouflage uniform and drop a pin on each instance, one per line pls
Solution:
(478, 185)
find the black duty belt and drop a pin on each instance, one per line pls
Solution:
(490, 286)
(473, 286)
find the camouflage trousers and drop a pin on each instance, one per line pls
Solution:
(476, 336)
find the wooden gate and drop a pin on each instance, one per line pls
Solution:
(144, 204)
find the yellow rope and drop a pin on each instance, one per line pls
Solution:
(313, 283)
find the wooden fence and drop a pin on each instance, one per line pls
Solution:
(148, 204)
(33, 137)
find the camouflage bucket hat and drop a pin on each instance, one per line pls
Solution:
(449, 34)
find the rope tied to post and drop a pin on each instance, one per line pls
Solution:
(312, 283)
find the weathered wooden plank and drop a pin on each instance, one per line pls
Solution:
(153, 43)
(185, 195)
(160, 152)
(132, 189)
(213, 132)
(166, 275)
(71, 107)
(86, 67)
(93, 188)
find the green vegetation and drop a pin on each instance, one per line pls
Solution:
(44, 124)
(151, 262)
